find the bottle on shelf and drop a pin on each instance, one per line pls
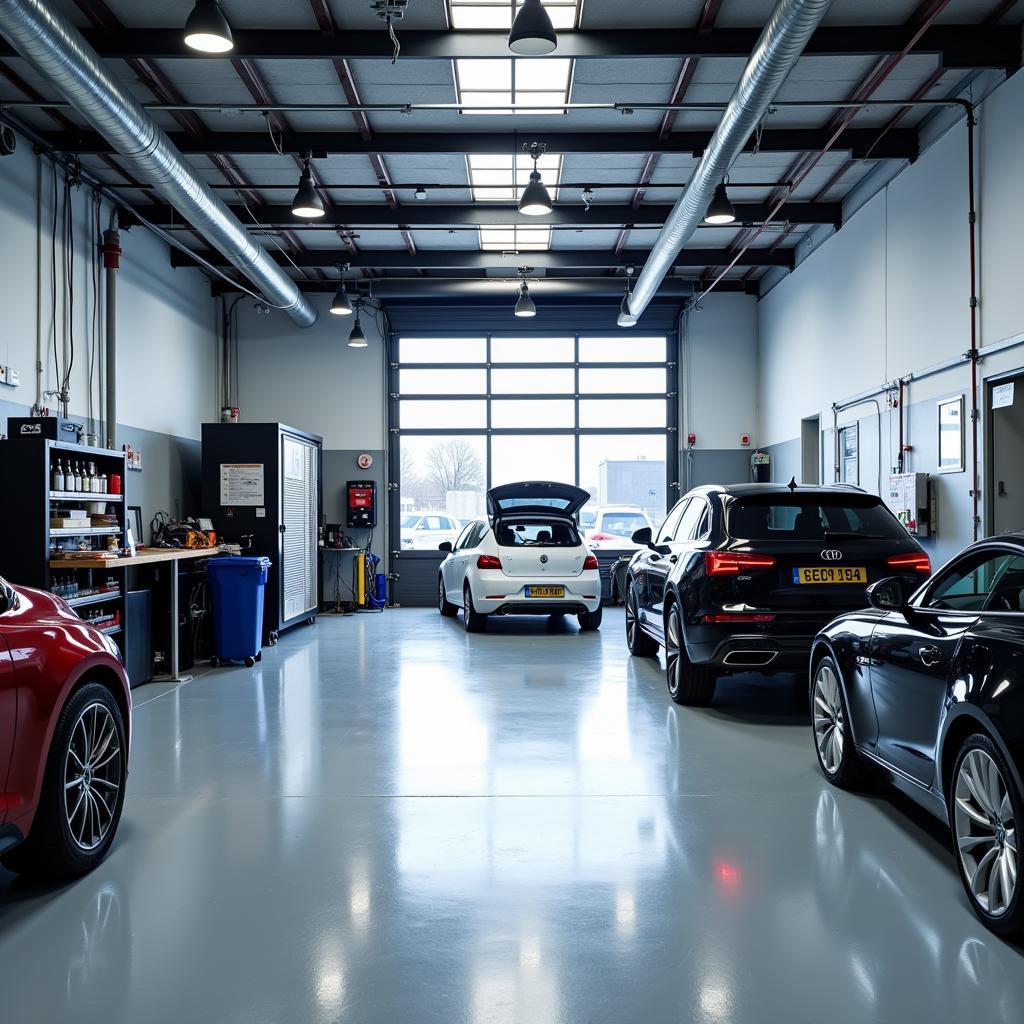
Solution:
(103, 483)
(57, 482)
(76, 482)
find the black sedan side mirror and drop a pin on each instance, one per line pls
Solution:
(445, 545)
(642, 536)
(889, 595)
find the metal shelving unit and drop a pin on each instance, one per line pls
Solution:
(31, 555)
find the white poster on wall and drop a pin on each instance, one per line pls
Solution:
(1002, 396)
(241, 483)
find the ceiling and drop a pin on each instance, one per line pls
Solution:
(368, 163)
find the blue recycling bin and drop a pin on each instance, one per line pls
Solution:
(237, 586)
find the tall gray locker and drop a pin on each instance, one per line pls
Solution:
(264, 480)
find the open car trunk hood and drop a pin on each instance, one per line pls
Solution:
(536, 497)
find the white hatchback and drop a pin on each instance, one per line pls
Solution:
(527, 558)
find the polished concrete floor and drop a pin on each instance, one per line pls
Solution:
(391, 821)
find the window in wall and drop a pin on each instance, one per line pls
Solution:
(849, 454)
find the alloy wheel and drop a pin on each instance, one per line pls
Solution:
(92, 776)
(631, 619)
(672, 665)
(986, 832)
(829, 723)
(442, 597)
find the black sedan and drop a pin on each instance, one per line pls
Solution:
(929, 685)
(741, 578)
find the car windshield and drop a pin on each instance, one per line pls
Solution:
(817, 518)
(520, 532)
(623, 524)
(409, 522)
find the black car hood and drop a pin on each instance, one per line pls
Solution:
(536, 497)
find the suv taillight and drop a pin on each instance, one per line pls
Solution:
(488, 562)
(590, 562)
(731, 563)
(917, 562)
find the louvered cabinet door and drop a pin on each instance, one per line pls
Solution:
(299, 583)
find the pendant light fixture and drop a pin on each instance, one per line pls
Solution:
(207, 30)
(626, 317)
(720, 209)
(532, 33)
(341, 304)
(356, 338)
(535, 200)
(307, 204)
(525, 305)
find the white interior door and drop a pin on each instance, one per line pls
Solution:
(299, 569)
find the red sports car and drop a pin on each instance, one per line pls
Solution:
(64, 722)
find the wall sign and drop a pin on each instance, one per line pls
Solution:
(241, 483)
(1002, 396)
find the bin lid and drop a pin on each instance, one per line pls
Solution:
(239, 562)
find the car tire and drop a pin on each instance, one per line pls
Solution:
(590, 621)
(688, 683)
(475, 622)
(63, 841)
(444, 606)
(830, 723)
(985, 807)
(640, 644)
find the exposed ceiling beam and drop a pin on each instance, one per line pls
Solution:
(564, 214)
(958, 46)
(898, 144)
(465, 259)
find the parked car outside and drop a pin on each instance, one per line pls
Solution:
(424, 531)
(528, 558)
(65, 709)
(927, 686)
(740, 578)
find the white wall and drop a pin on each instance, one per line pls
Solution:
(167, 349)
(720, 371)
(309, 378)
(888, 296)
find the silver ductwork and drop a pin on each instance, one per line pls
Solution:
(58, 51)
(783, 40)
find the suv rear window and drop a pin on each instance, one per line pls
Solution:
(799, 517)
(523, 532)
(623, 524)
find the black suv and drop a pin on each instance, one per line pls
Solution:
(740, 578)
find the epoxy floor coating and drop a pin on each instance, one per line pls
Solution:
(390, 820)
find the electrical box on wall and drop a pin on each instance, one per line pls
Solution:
(361, 504)
(910, 500)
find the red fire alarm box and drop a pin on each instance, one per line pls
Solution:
(361, 504)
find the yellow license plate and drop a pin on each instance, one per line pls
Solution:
(545, 591)
(831, 574)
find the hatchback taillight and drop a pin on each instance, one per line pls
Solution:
(917, 562)
(488, 562)
(590, 562)
(731, 563)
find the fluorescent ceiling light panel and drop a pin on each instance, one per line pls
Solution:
(491, 176)
(497, 14)
(540, 84)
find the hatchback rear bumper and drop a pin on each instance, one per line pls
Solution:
(494, 593)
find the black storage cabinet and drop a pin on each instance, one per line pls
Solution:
(282, 518)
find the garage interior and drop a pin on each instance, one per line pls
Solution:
(392, 251)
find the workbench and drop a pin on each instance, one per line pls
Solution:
(148, 556)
